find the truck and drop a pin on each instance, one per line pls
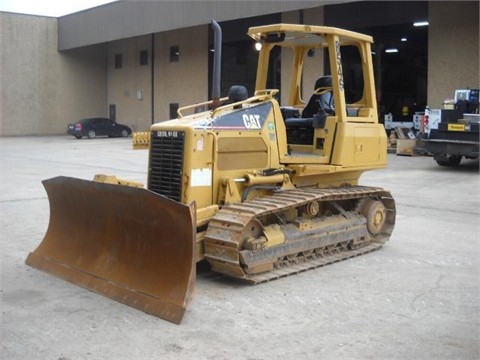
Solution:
(452, 134)
(257, 189)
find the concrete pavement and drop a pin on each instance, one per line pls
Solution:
(416, 298)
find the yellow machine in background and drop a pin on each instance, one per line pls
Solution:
(257, 189)
(141, 140)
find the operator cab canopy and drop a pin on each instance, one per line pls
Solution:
(302, 35)
(303, 41)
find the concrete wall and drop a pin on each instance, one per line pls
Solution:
(127, 19)
(41, 90)
(453, 49)
(183, 82)
(129, 87)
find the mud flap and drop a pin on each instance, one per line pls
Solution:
(126, 243)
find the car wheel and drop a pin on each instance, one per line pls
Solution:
(124, 133)
(91, 134)
(78, 136)
(449, 160)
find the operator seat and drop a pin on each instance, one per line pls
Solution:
(237, 93)
(322, 102)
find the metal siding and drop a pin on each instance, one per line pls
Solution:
(375, 13)
(124, 19)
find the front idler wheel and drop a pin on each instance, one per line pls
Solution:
(375, 213)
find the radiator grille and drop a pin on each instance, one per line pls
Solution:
(166, 163)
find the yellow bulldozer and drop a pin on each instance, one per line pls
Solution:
(260, 191)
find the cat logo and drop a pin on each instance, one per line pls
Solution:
(251, 121)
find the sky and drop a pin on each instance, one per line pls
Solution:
(54, 8)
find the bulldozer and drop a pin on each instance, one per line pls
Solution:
(257, 189)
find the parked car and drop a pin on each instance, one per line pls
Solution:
(94, 127)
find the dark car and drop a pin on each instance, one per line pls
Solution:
(94, 127)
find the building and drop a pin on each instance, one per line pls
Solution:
(138, 61)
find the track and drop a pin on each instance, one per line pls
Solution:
(293, 231)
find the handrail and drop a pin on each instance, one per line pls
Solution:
(260, 95)
(187, 107)
(266, 92)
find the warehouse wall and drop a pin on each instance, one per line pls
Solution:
(453, 49)
(182, 82)
(42, 90)
(126, 19)
(129, 87)
(185, 81)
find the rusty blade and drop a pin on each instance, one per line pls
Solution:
(126, 243)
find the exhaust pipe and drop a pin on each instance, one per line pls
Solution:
(217, 64)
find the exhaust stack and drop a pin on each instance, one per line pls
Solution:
(217, 64)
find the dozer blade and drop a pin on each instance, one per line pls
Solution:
(126, 243)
